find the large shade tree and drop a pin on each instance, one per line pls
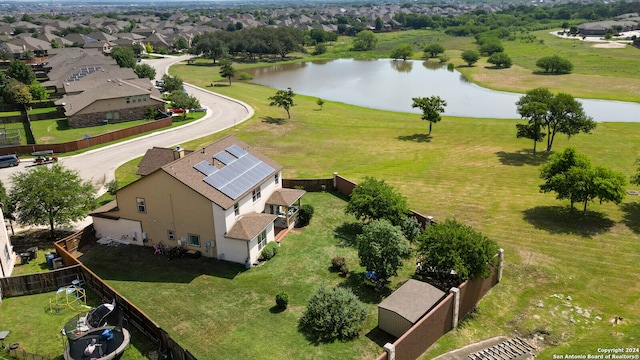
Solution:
(453, 246)
(21, 72)
(431, 108)
(374, 199)
(381, 248)
(559, 113)
(572, 177)
(51, 195)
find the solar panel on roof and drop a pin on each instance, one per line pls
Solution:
(224, 157)
(240, 175)
(205, 168)
(237, 151)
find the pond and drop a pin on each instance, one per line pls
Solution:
(391, 84)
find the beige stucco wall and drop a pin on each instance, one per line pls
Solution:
(392, 323)
(170, 205)
(123, 229)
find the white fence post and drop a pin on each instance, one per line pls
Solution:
(390, 349)
(456, 306)
(500, 264)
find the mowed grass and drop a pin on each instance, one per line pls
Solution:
(37, 330)
(478, 172)
(219, 310)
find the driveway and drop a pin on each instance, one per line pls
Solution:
(98, 166)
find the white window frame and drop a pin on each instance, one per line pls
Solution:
(171, 235)
(236, 209)
(195, 237)
(262, 239)
(141, 205)
(256, 194)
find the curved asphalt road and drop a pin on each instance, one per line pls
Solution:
(98, 166)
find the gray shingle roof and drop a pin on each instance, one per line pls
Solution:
(412, 300)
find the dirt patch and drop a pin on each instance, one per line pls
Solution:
(609, 45)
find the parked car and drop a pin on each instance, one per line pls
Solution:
(9, 160)
(201, 109)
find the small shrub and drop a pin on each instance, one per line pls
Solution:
(450, 66)
(245, 76)
(282, 299)
(333, 313)
(269, 251)
(443, 58)
(306, 213)
(344, 270)
(338, 262)
(410, 228)
(112, 186)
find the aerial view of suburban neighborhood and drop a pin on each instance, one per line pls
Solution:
(340, 179)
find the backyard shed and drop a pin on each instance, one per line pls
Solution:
(405, 306)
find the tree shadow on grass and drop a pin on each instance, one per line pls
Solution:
(272, 120)
(380, 337)
(564, 220)
(522, 157)
(366, 293)
(419, 138)
(347, 233)
(631, 216)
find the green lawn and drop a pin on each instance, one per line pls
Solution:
(478, 172)
(37, 330)
(215, 309)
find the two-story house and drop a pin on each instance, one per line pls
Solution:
(225, 200)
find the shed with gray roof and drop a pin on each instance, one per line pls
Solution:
(405, 306)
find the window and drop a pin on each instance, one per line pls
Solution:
(142, 207)
(109, 116)
(277, 178)
(128, 99)
(255, 194)
(116, 115)
(7, 255)
(171, 235)
(262, 239)
(236, 209)
(194, 240)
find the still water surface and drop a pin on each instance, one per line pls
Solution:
(390, 84)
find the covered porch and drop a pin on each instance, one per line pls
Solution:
(285, 204)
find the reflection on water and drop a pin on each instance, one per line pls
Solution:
(402, 66)
(432, 65)
(390, 85)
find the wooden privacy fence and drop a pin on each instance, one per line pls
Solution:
(90, 141)
(39, 282)
(345, 187)
(442, 318)
(133, 314)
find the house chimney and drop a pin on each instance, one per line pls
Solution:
(178, 153)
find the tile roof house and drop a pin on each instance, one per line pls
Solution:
(225, 201)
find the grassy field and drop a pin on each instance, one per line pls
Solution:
(478, 172)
